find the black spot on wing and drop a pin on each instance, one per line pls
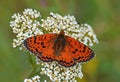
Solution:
(35, 39)
(42, 43)
(84, 48)
(43, 46)
(75, 51)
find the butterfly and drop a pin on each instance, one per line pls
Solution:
(64, 49)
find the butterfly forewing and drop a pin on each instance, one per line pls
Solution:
(41, 44)
(79, 51)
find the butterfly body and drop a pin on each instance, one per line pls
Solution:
(59, 43)
(66, 50)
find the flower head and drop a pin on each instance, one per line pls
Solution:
(26, 25)
(58, 73)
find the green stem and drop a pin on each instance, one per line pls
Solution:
(35, 67)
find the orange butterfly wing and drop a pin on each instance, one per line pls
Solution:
(41, 45)
(79, 51)
(74, 52)
(65, 58)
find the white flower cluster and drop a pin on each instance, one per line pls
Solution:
(34, 79)
(25, 25)
(55, 22)
(58, 73)
(84, 33)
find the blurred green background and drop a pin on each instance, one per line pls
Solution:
(102, 15)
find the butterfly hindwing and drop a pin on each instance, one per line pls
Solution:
(48, 54)
(79, 51)
(65, 58)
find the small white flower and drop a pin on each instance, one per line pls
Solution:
(36, 78)
(45, 80)
(28, 80)
(33, 79)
